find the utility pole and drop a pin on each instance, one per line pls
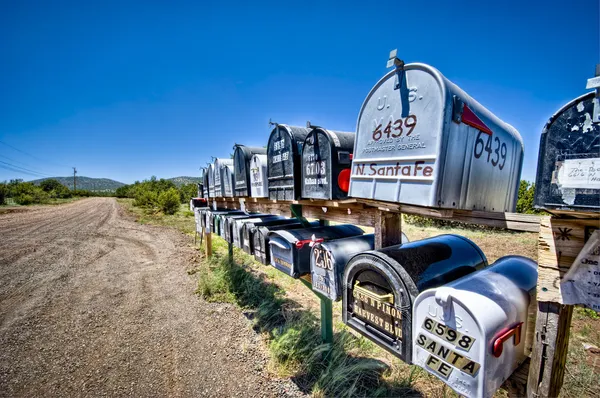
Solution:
(74, 180)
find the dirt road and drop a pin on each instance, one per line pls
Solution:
(93, 304)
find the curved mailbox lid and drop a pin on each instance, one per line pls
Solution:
(259, 187)
(284, 161)
(415, 128)
(241, 165)
(380, 286)
(475, 327)
(324, 155)
(328, 261)
(568, 174)
(295, 258)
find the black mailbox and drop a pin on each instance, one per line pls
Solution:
(328, 261)
(380, 286)
(241, 167)
(290, 250)
(326, 164)
(238, 224)
(568, 173)
(214, 219)
(227, 224)
(284, 160)
(249, 229)
(262, 251)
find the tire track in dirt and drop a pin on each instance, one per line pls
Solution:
(93, 304)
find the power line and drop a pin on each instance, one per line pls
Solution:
(33, 156)
(23, 169)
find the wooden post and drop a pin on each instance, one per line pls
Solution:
(208, 244)
(388, 229)
(560, 242)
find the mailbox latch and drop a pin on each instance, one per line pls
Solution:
(499, 342)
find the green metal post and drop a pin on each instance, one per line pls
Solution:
(326, 320)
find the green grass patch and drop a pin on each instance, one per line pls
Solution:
(182, 220)
(293, 334)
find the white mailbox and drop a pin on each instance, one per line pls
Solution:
(471, 333)
(258, 177)
(421, 140)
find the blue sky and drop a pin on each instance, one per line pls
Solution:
(126, 90)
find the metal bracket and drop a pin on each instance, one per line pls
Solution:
(458, 108)
(393, 60)
(594, 83)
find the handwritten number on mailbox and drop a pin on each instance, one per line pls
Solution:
(410, 122)
(495, 156)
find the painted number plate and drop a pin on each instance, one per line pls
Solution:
(452, 336)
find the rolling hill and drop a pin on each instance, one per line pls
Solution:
(179, 181)
(86, 183)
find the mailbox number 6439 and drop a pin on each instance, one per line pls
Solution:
(497, 155)
(410, 123)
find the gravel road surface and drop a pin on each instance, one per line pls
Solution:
(94, 304)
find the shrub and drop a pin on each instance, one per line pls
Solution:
(24, 199)
(3, 193)
(146, 198)
(169, 201)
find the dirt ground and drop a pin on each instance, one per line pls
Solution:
(94, 304)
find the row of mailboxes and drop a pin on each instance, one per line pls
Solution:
(261, 239)
(249, 230)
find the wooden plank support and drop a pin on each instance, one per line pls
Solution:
(550, 347)
(388, 229)
(560, 241)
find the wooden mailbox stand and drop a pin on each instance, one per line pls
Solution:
(560, 241)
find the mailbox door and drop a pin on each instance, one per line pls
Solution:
(258, 176)
(328, 261)
(284, 162)
(324, 155)
(568, 174)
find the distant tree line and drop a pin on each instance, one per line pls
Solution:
(27, 193)
(160, 194)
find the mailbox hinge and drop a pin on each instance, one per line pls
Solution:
(594, 83)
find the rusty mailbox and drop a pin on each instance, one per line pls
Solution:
(326, 163)
(290, 249)
(472, 332)
(421, 140)
(284, 151)
(250, 228)
(380, 286)
(261, 238)
(328, 261)
(223, 171)
(568, 173)
(238, 224)
(210, 176)
(259, 187)
(242, 166)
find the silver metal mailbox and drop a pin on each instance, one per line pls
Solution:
(472, 332)
(259, 187)
(205, 183)
(326, 162)
(242, 157)
(422, 140)
(210, 174)
(223, 169)
(284, 161)
(328, 261)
